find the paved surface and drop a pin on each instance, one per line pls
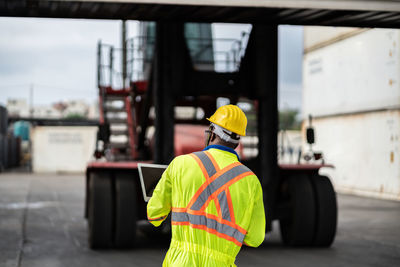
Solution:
(41, 224)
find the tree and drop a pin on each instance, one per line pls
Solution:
(75, 116)
(288, 120)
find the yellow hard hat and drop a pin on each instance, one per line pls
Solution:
(230, 117)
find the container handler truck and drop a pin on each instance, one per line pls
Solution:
(168, 84)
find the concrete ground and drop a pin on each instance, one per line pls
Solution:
(42, 224)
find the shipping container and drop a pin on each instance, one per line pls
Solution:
(351, 88)
(2, 166)
(365, 150)
(3, 120)
(319, 36)
(12, 151)
(5, 151)
(17, 155)
(62, 148)
(360, 73)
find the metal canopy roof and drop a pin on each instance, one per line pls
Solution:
(357, 13)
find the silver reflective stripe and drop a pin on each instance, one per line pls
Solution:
(209, 223)
(223, 203)
(218, 183)
(208, 165)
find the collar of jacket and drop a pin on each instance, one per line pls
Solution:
(224, 148)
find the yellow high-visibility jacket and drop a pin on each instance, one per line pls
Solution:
(216, 205)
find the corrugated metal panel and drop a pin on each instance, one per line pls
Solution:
(361, 73)
(62, 149)
(319, 36)
(365, 150)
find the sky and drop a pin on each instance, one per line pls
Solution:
(57, 58)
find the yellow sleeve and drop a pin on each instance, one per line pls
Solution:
(256, 231)
(159, 204)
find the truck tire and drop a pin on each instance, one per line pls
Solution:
(326, 211)
(297, 227)
(100, 210)
(126, 210)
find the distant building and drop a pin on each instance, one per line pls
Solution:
(46, 112)
(94, 111)
(17, 107)
(76, 107)
(62, 109)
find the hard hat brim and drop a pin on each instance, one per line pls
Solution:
(241, 133)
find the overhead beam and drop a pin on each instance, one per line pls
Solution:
(361, 5)
(353, 13)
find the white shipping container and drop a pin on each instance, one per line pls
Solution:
(365, 150)
(62, 149)
(356, 74)
(319, 36)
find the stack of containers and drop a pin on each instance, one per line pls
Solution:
(3, 138)
(351, 86)
(13, 151)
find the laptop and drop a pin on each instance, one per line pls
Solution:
(149, 175)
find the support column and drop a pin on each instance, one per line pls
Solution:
(170, 63)
(259, 73)
(267, 80)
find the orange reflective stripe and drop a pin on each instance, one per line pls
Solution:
(206, 162)
(179, 209)
(223, 200)
(203, 186)
(209, 230)
(212, 160)
(216, 200)
(225, 186)
(156, 219)
(230, 205)
(203, 170)
(200, 221)
(215, 187)
(216, 184)
(211, 216)
(218, 207)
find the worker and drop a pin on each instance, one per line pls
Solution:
(215, 201)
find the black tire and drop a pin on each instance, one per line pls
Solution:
(297, 227)
(326, 211)
(100, 211)
(126, 210)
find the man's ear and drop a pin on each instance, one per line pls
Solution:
(213, 137)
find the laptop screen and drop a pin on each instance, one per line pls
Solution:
(149, 175)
